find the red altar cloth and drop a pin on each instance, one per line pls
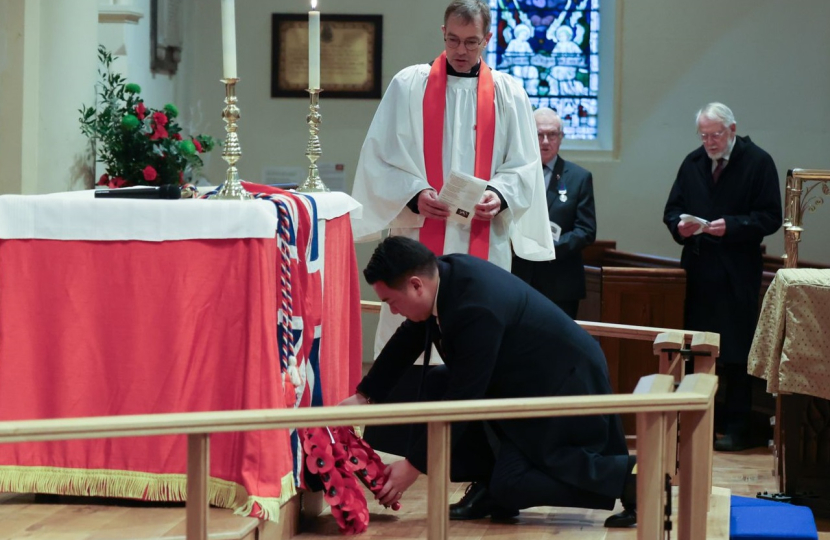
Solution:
(90, 328)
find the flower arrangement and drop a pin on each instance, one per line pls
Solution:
(138, 145)
(340, 458)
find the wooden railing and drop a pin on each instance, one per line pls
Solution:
(653, 402)
(669, 343)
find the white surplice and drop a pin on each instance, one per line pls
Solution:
(391, 170)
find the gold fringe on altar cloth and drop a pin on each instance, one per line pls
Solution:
(142, 486)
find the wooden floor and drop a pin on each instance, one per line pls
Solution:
(744, 473)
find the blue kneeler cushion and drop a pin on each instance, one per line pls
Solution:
(758, 519)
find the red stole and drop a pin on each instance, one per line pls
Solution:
(435, 101)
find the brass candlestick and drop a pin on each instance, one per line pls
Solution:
(313, 184)
(231, 152)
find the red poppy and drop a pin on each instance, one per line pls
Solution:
(335, 488)
(353, 498)
(150, 173)
(104, 180)
(357, 460)
(140, 110)
(320, 460)
(117, 182)
(317, 437)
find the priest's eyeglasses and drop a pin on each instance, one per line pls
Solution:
(711, 136)
(469, 44)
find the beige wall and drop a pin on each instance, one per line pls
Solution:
(45, 76)
(767, 59)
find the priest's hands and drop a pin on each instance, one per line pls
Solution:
(429, 205)
(488, 206)
(400, 475)
(716, 228)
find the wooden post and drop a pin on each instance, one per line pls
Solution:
(667, 346)
(438, 480)
(651, 444)
(706, 342)
(198, 472)
(695, 459)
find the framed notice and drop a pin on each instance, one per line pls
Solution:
(350, 55)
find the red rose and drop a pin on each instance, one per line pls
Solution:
(198, 146)
(140, 110)
(117, 182)
(150, 173)
(159, 121)
(160, 118)
(104, 180)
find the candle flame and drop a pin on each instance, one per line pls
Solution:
(313, 4)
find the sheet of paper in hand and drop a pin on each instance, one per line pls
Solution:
(687, 218)
(462, 192)
(555, 231)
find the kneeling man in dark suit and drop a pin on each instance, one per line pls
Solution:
(499, 338)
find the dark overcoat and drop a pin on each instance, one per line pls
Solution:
(563, 279)
(723, 274)
(500, 338)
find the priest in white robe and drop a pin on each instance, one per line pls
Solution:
(393, 181)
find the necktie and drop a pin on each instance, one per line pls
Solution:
(718, 170)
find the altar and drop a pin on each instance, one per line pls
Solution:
(791, 352)
(114, 307)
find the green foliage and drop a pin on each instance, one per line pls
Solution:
(132, 140)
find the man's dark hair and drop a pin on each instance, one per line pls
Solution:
(396, 259)
(468, 10)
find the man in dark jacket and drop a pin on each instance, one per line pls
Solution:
(570, 202)
(731, 185)
(499, 338)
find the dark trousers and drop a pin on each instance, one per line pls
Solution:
(484, 453)
(735, 417)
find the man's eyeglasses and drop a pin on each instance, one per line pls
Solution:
(469, 44)
(549, 134)
(708, 136)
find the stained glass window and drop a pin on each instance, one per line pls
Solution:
(553, 47)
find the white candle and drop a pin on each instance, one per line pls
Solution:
(228, 39)
(313, 47)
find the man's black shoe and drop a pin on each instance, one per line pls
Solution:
(732, 442)
(628, 516)
(477, 504)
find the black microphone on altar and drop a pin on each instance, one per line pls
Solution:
(166, 191)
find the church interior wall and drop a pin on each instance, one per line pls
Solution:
(766, 59)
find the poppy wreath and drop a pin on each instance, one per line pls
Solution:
(339, 458)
